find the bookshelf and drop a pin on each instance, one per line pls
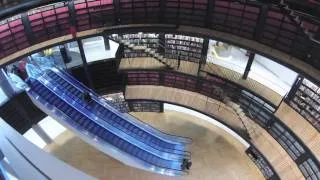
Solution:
(261, 163)
(141, 42)
(256, 108)
(262, 113)
(310, 169)
(306, 101)
(182, 47)
(288, 141)
(145, 106)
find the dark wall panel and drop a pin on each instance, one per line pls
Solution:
(21, 113)
(105, 76)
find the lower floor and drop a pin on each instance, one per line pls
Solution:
(215, 153)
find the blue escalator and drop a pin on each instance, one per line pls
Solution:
(116, 120)
(64, 101)
(64, 76)
(83, 105)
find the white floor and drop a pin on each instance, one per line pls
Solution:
(53, 129)
(94, 50)
(263, 70)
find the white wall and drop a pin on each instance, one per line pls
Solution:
(28, 161)
(283, 73)
(191, 112)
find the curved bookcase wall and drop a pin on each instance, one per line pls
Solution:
(256, 26)
(252, 21)
(164, 82)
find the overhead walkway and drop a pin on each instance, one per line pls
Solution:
(122, 136)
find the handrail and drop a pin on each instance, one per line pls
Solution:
(154, 55)
(221, 78)
(143, 125)
(249, 3)
(25, 6)
(43, 80)
(182, 153)
(148, 166)
(297, 20)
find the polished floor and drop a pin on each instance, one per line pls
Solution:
(214, 152)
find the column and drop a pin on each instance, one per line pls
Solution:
(249, 64)
(42, 134)
(85, 64)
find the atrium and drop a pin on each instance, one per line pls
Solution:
(160, 89)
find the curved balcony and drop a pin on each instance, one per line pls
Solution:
(261, 28)
(171, 87)
(254, 22)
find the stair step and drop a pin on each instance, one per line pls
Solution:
(126, 43)
(242, 114)
(160, 58)
(131, 45)
(236, 106)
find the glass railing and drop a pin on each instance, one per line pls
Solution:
(270, 81)
(104, 103)
(81, 108)
(305, 99)
(109, 149)
(102, 113)
(171, 161)
(51, 21)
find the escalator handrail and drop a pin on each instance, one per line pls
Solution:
(136, 122)
(147, 165)
(102, 123)
(184, 154)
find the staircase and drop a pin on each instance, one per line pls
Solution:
(249, 127)
(169, 63)
(296, 19)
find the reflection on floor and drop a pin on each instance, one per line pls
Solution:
(213, 156)
(50, 126)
